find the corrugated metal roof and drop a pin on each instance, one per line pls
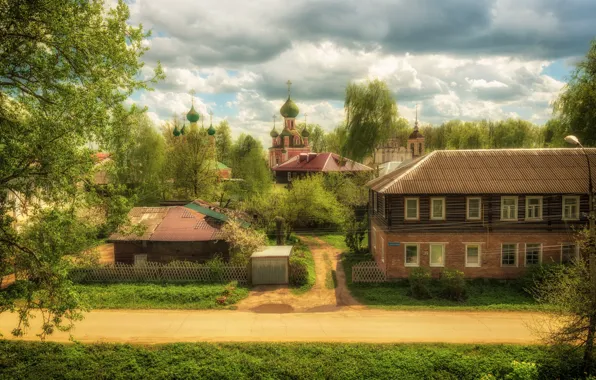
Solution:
(178, 225)
(498, 171)
(321, 162)
(273, 251)
(150, 217)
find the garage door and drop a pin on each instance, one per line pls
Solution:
(269, 270)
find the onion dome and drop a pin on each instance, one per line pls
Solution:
(286, 132)
(183, 130)
(176, 131)
(273, 133)
(289, 109)
(415, 134)
(211, 130)
(305, 132)
(192, 115)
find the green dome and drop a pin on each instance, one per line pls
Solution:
(305, 132)
(286, 132)
(273, 133)
(192, 115)
(211, 130)
(176, 131)
(183, 130)
(289, 109)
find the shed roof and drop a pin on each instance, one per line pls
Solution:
(496, 171)
(274, 251)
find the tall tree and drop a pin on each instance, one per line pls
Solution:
(371, 112)
(576, 107)
(223, 142)
(250, 165)
(66, 68)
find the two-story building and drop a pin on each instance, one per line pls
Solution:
(488, 213)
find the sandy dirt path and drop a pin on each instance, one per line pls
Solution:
(346, 325)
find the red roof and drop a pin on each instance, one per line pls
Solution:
(320, 162)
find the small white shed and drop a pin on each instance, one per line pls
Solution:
(271, 265)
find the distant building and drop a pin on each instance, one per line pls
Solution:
(310, 163)
(489, 213)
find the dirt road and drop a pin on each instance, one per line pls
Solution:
(346, 325)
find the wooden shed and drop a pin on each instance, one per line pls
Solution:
(271, 265)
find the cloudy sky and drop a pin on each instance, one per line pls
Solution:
(465, 59)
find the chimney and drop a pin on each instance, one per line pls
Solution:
(310, 156)
(302, 157)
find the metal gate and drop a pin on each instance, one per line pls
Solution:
(269, 270)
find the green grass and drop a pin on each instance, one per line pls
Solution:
(158, 296)
(302, 251)
(34, 360)
(335, 240)
(491, 295)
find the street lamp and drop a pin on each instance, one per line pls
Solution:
(575, 141)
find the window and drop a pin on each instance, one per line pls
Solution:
(375, 199)
(508, 208)
(382, 249)
(509, 255)
(374, 239)
(474, 208)
(412, 209)
(571, 208)
(533, 208)
(569, 252)
(472, 255)
(412, 258)
(289, 176)
(533, 254)
(437, 206)
(437, 255)
(140, 259)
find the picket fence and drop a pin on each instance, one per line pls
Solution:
(367, 271)
(156, 272)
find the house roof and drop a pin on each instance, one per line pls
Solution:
(496, 171)
(320, 162)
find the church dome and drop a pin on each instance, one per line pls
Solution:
(192, 115)
(176, 131)
(211, 130)
(289, 109)
(305, 132)
(273, 133)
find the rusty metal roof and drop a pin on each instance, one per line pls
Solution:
(497, 171)
(320, 162)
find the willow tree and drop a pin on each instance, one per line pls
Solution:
(66, 68)
(371, 112)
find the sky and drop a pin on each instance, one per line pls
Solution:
(456, 59)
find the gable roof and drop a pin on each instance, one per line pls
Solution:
(320, 162)
(496, 171)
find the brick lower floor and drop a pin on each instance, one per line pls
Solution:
(478, 255)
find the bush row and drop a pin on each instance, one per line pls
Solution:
(452, 285)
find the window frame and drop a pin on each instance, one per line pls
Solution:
(479, 263)
(442, 245)
(577, 198)
(576, 251)
(479, 217)
(137, 259)
(406, 199)
(443, 208)
(516, 210)
(526, 254)
(289, 176)
(541, 207)
(516, 264)
(417, 245)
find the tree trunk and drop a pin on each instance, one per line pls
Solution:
(589, 351)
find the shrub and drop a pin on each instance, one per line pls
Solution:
(216, 265)
(419, 279)
(535, 275)
(523, 371)
(298, 271)
(453, 284)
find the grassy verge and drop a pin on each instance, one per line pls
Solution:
(302, 252)
(330, 277)
(162, 296)
(29, 360)
(491, 295)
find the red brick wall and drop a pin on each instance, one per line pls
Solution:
(455, 243)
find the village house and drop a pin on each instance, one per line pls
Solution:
(188, 233)
(488, 213)
(310, 163)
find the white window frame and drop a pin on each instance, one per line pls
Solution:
(375, 199)
(516, 206)
(374, 239)
(516, 264)
(417, 208)
(406, 245)
(140, 259)
(539, 254)
(289, 176)
(479, 217)
(442, 245)
(382, 249)
(576, 250)
(540, 207)
(474, 265)
(443, 203)
(576, 197)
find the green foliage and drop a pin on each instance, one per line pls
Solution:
(243, 241)
(161, 296)
(250, 165)
(223, 143)
(371, 112)
(453, 284)
(419, 279)
(576, 107)
(272, 361)
(523, 371)
(302, 268)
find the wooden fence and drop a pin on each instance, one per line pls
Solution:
(367, 271)
(156, 272)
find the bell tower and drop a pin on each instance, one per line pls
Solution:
(416, 140)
